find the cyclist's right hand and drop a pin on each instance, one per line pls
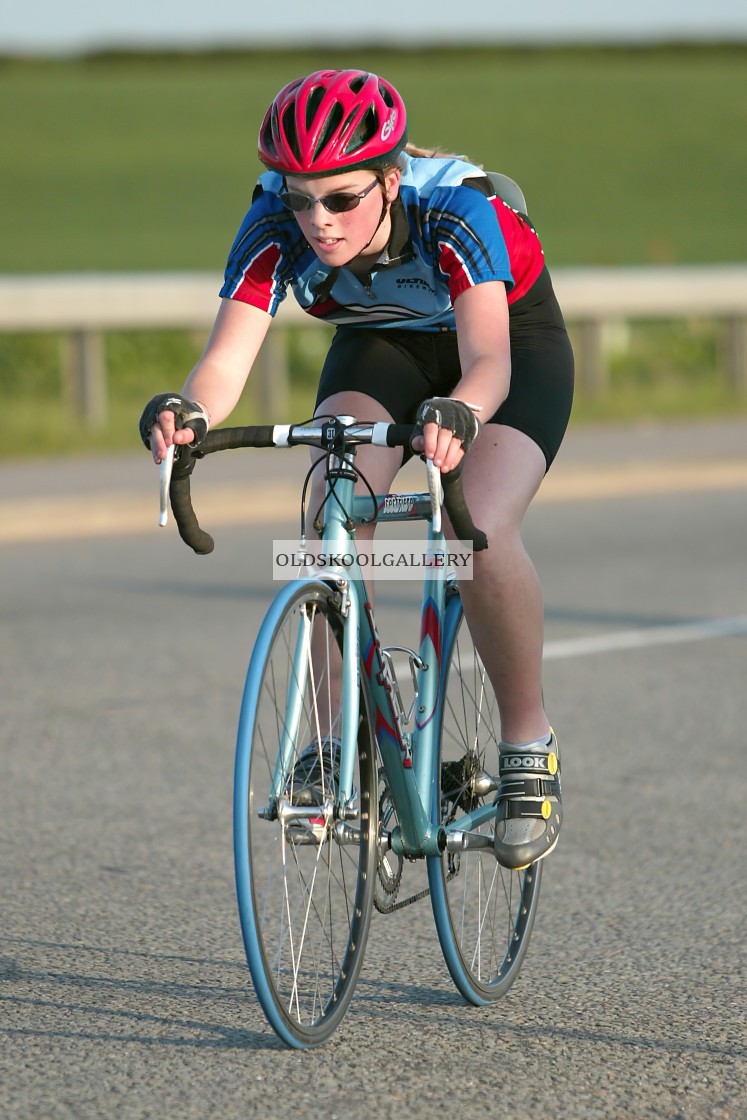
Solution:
(170, 418)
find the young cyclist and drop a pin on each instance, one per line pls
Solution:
(444, 312)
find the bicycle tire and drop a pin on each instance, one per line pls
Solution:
(483, 912)
(304, 890)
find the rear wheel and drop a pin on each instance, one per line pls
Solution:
(305, 867)
(483, 912)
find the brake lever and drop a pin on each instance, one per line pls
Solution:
(435, 490)
(167, 466)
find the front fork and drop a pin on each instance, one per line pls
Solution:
(303, 682)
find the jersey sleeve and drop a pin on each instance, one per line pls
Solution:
(466, 238)
(256, 271)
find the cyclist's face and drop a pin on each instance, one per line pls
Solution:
(337, 238)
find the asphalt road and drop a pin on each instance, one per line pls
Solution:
(123, 988)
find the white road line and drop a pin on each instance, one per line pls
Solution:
(645, 637)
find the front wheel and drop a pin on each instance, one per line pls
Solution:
(483, 912)
(305, 864)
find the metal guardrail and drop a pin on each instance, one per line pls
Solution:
(83, 306)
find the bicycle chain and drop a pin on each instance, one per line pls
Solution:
(408, 901)
(413, 898)
(390, 909)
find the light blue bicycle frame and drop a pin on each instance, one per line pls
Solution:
(409, 757)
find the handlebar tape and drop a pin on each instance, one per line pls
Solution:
(459, 514)
(221, 439)
(399, 435)
(186, 521)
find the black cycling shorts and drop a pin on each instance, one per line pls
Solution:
(401, 368)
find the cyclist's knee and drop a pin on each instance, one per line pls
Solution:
(352, 403)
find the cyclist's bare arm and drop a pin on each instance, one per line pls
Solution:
(218, 378)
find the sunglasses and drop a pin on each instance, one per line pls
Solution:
(339, 202)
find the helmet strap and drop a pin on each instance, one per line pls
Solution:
(384, 211)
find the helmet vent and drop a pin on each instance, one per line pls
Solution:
(266, 139)
(365, 131)
(331, 126)
(291, 132)
(313, 102)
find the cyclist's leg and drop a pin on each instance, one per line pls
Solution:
(504, 609)
(378, 465)
(503, 602)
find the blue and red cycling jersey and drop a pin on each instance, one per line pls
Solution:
(449, 232)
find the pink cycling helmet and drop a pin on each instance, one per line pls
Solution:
(333, 121)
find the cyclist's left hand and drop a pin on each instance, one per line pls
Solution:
(450, 427)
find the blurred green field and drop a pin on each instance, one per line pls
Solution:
(138, 162)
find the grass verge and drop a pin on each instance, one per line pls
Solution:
(665, 371)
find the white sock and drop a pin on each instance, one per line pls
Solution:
(541, 741)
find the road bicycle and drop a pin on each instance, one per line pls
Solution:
(339, 783)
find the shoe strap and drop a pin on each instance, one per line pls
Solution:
(518, 792)
(536, 810)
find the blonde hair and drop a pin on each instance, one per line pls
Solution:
(400, 163)
(435, 153)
